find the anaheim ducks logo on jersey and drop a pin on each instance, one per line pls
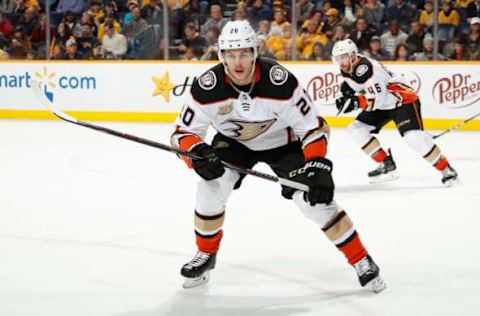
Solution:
(278, 75)
(245, 130)
(208, 80)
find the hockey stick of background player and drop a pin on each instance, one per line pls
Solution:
(454, 127)
(46, 98)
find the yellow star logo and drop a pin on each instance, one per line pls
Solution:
(162, 86)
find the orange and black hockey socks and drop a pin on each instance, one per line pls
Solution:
(208, 231)
(343, 235)
(374, 150)
(435, 157)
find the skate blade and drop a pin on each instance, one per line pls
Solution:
(194, 282)
(450, 183)
(393, 175)
(376, 285)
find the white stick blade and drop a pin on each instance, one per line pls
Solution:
(46, 98)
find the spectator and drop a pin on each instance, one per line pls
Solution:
(349, 9)
(375, 13)
(62, 35)
(276, 43)
(286, 53)
(400, 11)
(402, 53)
(460, 50)
(24, 5)
(392, 38)
(473, 10)
(216, 19)
(240, 14)
(151, 10)
(332, 22)
(448, 15)
(135, 26)
(212, 39)
(71, 22)
(263, 51)
(463, 3)
(4, 55)
(96, 12)
(473, 39)
(132, 4)
(427, 17)
(304, 10)
(375, 51)
(361, 34)
(279, 21)
(114, 44)
(75, 6)
(87, 42)
(307, 39)
(72, 52)
(258, 12)
(57, 52)
(194, 40)
(84, 19)
(7, 6)
(263, 28)
(427, 53)
(189, 54)
(109, 19)
(317, 53)
(28, 21)
(39, 36)
(415, 40)
(6, 28)
(20, 44)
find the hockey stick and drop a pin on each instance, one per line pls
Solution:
(454, 127)
(46, 99)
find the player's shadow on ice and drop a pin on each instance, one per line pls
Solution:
(199, 302)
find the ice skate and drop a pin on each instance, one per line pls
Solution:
(369, 275)
(197, 271)
(449, 176)
(386, 171)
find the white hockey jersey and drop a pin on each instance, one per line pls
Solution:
(276, 112)
(380, 89)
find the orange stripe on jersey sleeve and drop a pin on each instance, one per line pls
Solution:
(362, 102)
(186, 143)
(408, 96)
(316, 149)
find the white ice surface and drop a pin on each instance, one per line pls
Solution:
(95, 225)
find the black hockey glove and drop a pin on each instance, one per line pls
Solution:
(318, 173)
(346, 90)
(347, 104)
(210, 167)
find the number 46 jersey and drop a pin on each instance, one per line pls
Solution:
(380, 88)
(277, 111)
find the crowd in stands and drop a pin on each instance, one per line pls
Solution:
(382, 29)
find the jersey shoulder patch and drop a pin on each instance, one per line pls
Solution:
(278, 75)
(362, 71)
(208, 80)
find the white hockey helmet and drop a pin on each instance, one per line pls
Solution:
(237, 34)
(345, 47)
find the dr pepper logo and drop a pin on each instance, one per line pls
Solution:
(458, 90)
(325, 88)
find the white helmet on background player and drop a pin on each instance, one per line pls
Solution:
(235, 35)
(342, 49)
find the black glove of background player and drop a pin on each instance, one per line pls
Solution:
(319, 179)
(347, 104)
(210, 166)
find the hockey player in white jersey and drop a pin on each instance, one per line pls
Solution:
(261, 114)
(382, 96)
